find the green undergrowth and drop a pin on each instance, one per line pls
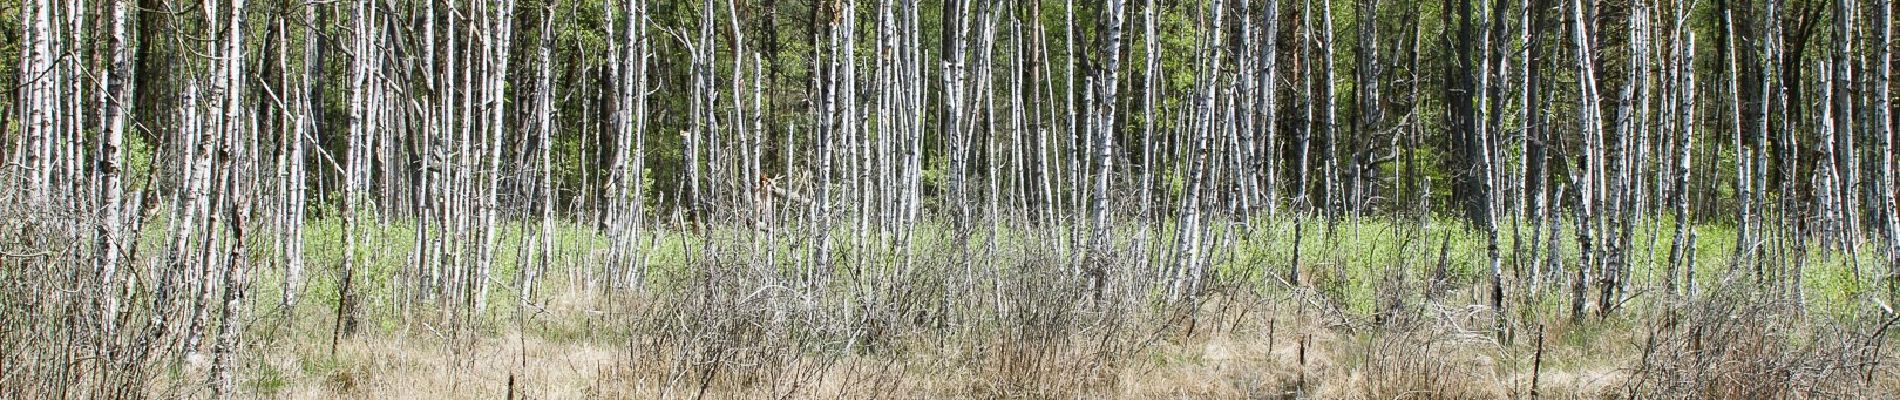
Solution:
(1357, 270)
(1359, 264)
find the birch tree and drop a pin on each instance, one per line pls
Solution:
(1109, 73)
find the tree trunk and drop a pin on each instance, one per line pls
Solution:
(1884, 132)
(111, 165)
(1108, 77)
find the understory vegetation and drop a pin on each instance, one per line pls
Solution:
(715, 321)
(1001, 315)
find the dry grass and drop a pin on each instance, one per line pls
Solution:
(1232, 348)
(387, 368)
(725, 328)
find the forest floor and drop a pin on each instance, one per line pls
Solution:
(1264, 348)
(1363, 323)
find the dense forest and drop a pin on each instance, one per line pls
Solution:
(729, 192)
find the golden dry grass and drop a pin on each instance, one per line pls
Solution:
(1252, 349)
